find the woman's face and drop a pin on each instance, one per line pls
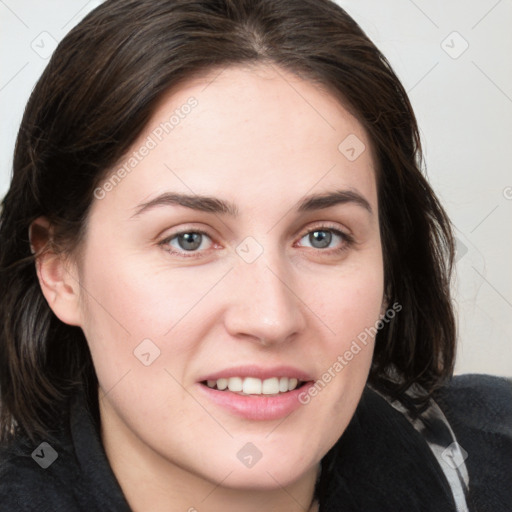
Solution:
(253, 287)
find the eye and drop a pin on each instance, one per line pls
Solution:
(192, 243)
(324, 236)
(186, 242)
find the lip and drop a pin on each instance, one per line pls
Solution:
(259, 373)
(256, 407)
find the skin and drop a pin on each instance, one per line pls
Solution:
(258, 142)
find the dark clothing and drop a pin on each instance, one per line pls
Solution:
(381, 463)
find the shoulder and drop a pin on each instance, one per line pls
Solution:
(479, 410)
(66, 472)
(479, 401)
(31, 478)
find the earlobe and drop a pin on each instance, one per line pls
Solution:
(56, 273)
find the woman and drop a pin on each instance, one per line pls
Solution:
(225, 281)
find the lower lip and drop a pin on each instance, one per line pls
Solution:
(257, 407)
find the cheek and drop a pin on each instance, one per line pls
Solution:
(352, 301)
(129, 303)
(350, 309)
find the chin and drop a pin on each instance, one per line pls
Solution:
(265, 478)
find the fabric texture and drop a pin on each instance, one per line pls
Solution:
(435, 428)
(380, 463)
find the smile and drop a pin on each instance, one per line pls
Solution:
(254, 386)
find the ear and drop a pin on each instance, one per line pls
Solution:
(57, 276)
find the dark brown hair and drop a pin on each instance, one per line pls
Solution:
(95, 97)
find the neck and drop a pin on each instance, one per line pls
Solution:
(151, 482)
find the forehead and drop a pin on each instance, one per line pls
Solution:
(246, 131)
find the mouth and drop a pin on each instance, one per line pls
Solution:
(256, 393)
(253, 386)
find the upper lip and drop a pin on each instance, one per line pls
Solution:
(259, 372)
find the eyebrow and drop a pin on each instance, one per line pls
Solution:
(211, 204)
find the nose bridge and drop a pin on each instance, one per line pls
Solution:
(264, 305)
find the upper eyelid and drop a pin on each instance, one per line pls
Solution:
(320, 227)
(326, 225)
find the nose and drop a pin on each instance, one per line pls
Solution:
(265, 306)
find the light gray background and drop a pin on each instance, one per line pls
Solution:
(463, 101)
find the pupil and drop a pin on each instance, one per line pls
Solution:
(189, 241)
(322, 237)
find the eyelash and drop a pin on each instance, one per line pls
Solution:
(347, 241)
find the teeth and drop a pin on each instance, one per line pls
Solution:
(271, 386)
(222, 384)
(235, 384)
(292, 384)
(254, 386)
